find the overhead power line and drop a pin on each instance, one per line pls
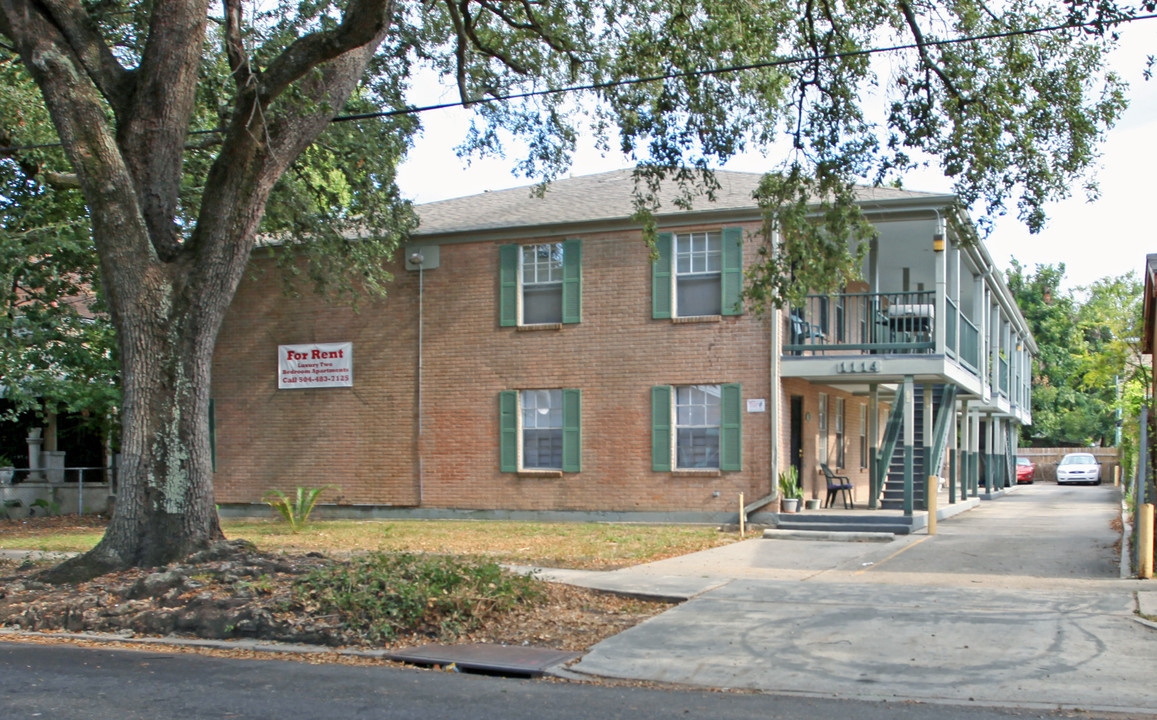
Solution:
(780, 62)
(730, 69)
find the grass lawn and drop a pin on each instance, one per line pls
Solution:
(577, 545)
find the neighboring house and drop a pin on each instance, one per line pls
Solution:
(531, 360)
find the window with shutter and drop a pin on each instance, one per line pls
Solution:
(540, 430)
(697, 274)
(696, 427)
(540, 284)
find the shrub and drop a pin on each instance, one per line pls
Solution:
(383, 595)
(295, 512)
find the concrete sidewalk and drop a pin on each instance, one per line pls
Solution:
(827, 618)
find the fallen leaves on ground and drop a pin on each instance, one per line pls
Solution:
(243, 593)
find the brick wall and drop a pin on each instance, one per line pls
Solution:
(812, 477)
(364, 439)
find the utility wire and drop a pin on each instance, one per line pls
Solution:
(413, 110)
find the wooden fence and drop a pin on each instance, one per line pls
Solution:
(1046, 460)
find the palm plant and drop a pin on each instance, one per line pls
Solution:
(295, 511)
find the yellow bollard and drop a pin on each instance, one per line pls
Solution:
(1145, 541)
(742, 518)
(930, 492)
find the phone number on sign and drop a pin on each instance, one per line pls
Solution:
(308, 380)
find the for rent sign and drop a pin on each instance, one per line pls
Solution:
(315, 366)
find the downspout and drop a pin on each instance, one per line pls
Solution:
(417, 259)
(775, 393)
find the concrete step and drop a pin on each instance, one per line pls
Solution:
(845, 527)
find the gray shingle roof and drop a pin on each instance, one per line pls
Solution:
(592, 198)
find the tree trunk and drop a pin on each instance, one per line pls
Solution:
(168, 292)
(165, 508)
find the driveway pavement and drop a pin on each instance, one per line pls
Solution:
(1018, 602)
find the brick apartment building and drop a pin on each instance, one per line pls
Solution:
(531, 361)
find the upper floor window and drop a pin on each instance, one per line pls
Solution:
(540, 284)
(698, 273)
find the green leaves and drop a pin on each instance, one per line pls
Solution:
(384, 595)
(295, 511)
(57, 347)
(1087, 344)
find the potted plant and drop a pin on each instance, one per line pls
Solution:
(790, 493)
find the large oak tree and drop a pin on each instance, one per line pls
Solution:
(1010, 102)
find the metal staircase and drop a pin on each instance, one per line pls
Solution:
(943, 410)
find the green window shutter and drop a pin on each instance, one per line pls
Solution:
(661, 278)
(731, 280)
(508, 431)
(661, 428)
(572, 281)
(731, 431)
(508, 285)
(213, 434)
(571, 430)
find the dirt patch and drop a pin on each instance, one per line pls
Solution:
(50, 525)
(234, 592)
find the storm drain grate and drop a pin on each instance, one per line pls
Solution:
(487, 659)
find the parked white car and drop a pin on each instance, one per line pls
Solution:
(1079, 468)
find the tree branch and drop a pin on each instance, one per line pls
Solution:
(94, 55)
(461, 51)
(235, 45)
(484, 48)
(929, 63)
(80, 115)
(361, 22)
(255, 153)
(62, 180)
(152, 133)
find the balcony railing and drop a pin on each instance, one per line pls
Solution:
(950, 328)
(969, 344)
(864, 323)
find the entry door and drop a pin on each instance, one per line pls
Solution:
(797, 435)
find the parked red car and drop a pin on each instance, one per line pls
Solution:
(1024, 470)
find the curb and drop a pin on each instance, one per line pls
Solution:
(833, 536)
(246, 645)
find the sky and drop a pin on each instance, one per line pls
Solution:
(1104, 238)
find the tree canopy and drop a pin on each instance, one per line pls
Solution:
(189, 128)
(1088, 367)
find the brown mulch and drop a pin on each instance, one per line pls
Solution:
(234, 591)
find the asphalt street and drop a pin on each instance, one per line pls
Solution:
(61, 682)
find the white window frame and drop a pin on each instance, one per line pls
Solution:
(863, 436)
(553, 266)
(690, 259)
(536, 395)
(822, 419)
(694, 408)
(840, 433)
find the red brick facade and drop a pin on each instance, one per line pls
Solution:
(364, 440)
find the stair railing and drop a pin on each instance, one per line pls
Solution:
(891, 437)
